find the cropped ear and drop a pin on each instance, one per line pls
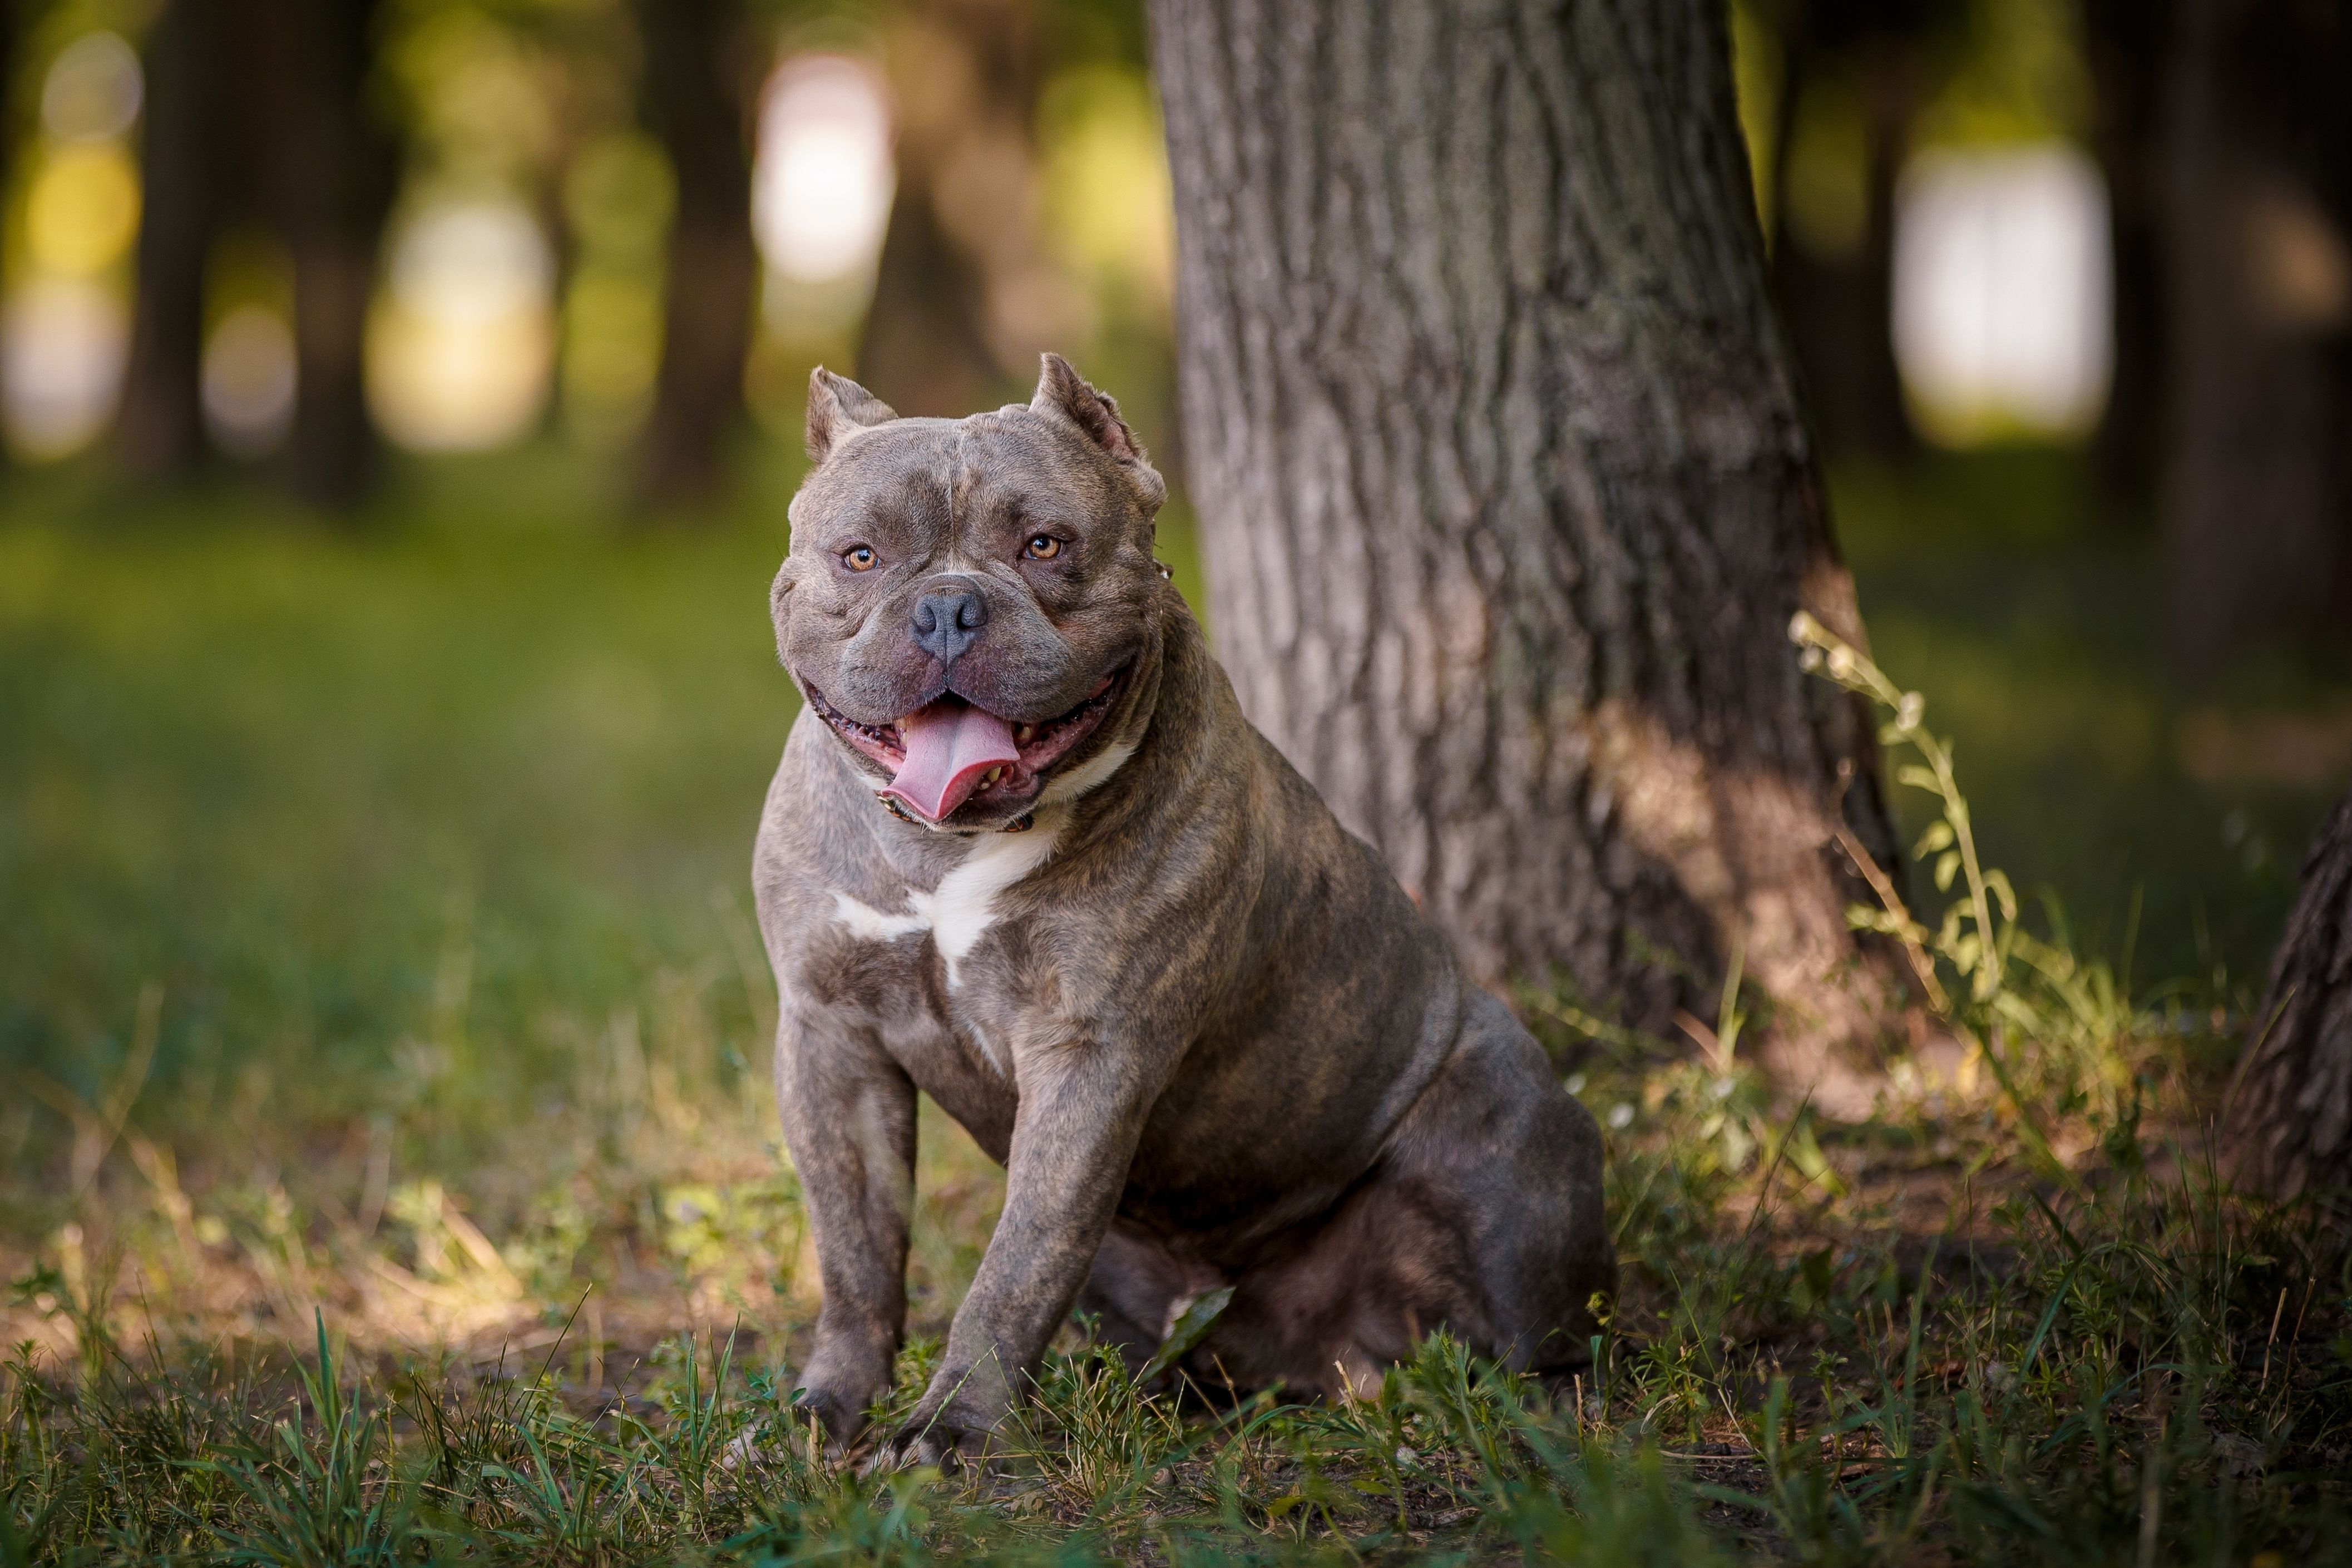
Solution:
(838, 408)
(1062, 391)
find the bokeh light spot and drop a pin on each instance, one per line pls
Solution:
(1108, 196)
(83, 210)
(92, 91)
(460, 349)
(62, 342)
(2002, 286)
(249, 378)
(821, 194)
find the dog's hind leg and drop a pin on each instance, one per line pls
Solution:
(1136, 1288)
(1501, 1148)
(1482, 1218)
(1127, 1296)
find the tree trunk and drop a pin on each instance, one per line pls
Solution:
(331, 170)
(2290, 1112)
(2126, 42)
(158, 429)
(12, 28)
(696, 92)
(924, 336)
(966, 74)
(1505, 500)
(1840, 309)
(2260, 222)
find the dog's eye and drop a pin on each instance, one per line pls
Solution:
(858, 557)
(1043, 547)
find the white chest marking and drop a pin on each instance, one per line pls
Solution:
(964, 906)
(1092, 774)
(960, 910)
(865, 920)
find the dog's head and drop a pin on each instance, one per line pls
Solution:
(971, 604)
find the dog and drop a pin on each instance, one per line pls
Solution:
(1024, 854)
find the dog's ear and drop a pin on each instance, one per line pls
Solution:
(838, 408)
(1062, 391)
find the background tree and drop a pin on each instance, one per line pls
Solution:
(2259, 222)
(185, 169)
(1869, 63)
(11, 29)
(331, 168)
(2290, 1111)
(2126, 42)
(259, 112)
(965, 75)
(1505, 499)
(699, 73)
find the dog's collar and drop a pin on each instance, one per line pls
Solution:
(1020, 824)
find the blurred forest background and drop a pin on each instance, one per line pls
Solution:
(401, 398)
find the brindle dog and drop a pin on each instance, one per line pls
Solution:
(1024, 854)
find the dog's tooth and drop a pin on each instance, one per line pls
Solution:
(1023, 736)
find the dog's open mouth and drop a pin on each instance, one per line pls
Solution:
(950, 753)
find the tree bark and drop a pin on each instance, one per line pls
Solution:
(696, 94)
(2260, 267)
(2290, 1111)
(1505, 500)
(184, 151)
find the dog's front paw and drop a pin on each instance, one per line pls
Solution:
(840, 1415)
(948, 1432)
(839, 1400)
(843, 1377)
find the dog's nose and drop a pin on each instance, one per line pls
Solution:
(948, 623)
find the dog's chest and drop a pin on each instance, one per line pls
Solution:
(957, 917)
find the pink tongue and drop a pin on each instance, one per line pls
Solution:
(949, 743)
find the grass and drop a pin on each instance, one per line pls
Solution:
(387, 1170)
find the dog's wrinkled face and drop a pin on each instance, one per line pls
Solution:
(968, 603)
